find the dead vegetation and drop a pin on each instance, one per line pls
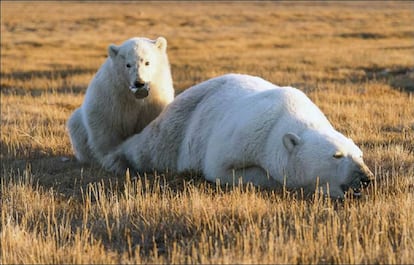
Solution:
(355, 60)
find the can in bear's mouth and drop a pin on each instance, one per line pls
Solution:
(140, 92)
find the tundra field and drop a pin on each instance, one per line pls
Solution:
(355, 60)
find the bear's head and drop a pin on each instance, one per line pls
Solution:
(137, 61)
(328, 159)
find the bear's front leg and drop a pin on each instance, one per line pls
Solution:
(242, 174)
(131, 154)
(115, 162)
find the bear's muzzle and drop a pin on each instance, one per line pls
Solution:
(140, 89)
(361, 178)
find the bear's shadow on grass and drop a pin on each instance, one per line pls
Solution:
(69, 178)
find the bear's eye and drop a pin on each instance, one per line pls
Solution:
(128, 65)
(146, 63)
(338, 155)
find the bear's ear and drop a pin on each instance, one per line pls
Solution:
(113, 50)
(290, 141)
(161, 43)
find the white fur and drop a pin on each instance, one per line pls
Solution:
(111, 112)
(242, 126)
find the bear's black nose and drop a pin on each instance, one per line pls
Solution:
(365, 175)
(139, 84)
(365, 180)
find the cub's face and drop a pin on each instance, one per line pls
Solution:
(136, 62)
(332, 161)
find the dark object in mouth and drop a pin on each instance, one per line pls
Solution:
(142, 92)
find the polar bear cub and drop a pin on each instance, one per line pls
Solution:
(242, 126)
(130, 90)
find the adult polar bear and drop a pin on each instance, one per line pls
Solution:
(239, 125)
(118, 102)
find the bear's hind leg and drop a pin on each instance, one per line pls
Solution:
(79, 137)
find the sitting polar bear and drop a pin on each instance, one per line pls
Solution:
(118, 102)
(242, 126)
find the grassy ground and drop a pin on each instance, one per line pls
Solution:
(355, 60)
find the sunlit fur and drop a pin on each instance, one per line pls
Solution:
(239, 126)
(111, 112)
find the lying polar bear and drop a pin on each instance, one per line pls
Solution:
(242, 126)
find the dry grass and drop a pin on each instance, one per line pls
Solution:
(355, 60)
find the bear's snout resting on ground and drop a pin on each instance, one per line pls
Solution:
(242, 126)
(130, 89)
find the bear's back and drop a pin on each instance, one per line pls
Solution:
(299, 107)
